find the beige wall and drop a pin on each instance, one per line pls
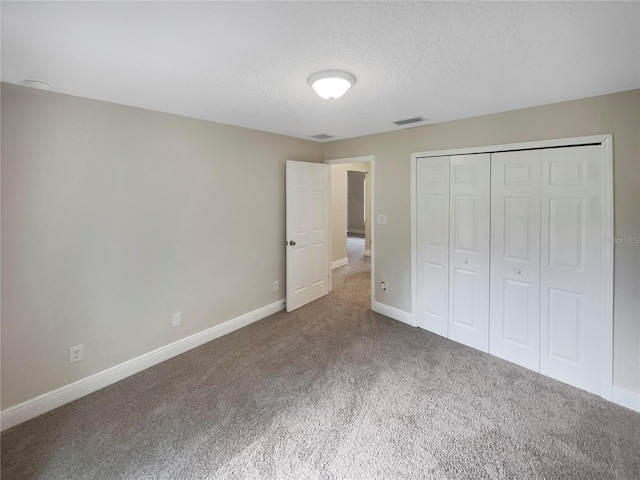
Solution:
(618, 114)
(113, 218)
(339, 208)
(355, 201)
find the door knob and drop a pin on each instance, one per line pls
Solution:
(465, 261)
(518, 271)
(292, 242)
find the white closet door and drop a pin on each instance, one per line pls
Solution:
(469, 203)
(515, 257)
(433, 244)
(571, 309)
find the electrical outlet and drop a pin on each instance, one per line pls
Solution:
(383, 287)
(276, 285)
(76, 353)
(176, 319)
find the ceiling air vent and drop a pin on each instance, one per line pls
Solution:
(410, 120)
(322, 136)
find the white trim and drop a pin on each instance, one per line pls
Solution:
(395, 313)
(607, 265)
(414, 236)
(372, 228)
(372, 170)
(556, 142)
(48, 401)
(367, 253)
(331, 230)
(339, 263)
(353, 230)
(360, 159)
(606, 141)
(626, 398)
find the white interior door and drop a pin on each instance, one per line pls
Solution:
(432, 212)
(515, 257)
(308, 192)
(573, 323)
(469, 204)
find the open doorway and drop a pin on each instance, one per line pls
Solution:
(356, 213)
(351, 215)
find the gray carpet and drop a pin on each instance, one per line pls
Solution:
(330, 391)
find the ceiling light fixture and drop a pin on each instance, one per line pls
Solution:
(39, 84)
(331, 84)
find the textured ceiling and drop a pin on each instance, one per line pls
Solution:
(247, 64)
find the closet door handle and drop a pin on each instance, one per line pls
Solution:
(465, 261)
(518, 271)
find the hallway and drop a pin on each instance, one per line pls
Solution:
(355, 247)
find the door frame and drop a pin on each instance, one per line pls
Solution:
(371, 159)
(606, 143)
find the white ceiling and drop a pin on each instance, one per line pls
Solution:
(247, 64)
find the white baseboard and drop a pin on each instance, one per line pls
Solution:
(395, 313)
(354, 230)
(626, 398)
(367, 253)
(339, 263)
(43, 403)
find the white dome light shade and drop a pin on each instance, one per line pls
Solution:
(39, 84)
(331, 84)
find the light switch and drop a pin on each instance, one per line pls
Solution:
(382, 219)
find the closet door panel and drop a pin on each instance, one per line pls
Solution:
(433, 244)
(469, 201)
(515, 257)
(571, 310)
